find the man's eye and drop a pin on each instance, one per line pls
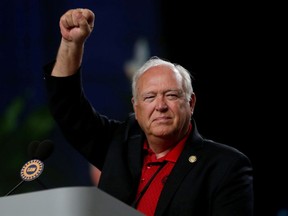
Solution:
(148, 98)
(172, 96)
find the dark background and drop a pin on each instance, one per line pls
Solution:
(234, 50)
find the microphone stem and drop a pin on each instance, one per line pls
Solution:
(14, 188)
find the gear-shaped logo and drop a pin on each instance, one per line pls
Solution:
(32, 170)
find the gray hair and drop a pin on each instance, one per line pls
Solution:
(155, 61)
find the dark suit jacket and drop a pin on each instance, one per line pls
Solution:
(218, 183)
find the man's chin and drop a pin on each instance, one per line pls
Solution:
(162, 133)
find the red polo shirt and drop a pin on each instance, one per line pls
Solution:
(148, 201)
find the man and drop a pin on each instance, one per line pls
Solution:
(155, 161)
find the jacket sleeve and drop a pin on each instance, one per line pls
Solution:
(83, 127)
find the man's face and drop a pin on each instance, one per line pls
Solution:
(161, 108)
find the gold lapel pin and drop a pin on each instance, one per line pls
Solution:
(192, 159)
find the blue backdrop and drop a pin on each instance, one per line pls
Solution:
(126, 33)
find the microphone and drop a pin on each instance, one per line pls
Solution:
(44, 150)
(32, 148)
(32, 169)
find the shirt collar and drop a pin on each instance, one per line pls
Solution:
(172, 155)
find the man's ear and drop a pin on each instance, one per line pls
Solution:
(192, 102)
(134, 107)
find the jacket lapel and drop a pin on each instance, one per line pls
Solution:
(134, 138)
(184, 164)
(134, 151)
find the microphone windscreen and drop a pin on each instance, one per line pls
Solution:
(32, 148)
(44, 150)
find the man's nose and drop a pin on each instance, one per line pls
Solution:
(161, 104)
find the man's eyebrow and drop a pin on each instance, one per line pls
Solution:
(179, 91)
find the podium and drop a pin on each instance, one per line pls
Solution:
(67, 201)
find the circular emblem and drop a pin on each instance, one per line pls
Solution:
(32, 170)
(192, 159)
